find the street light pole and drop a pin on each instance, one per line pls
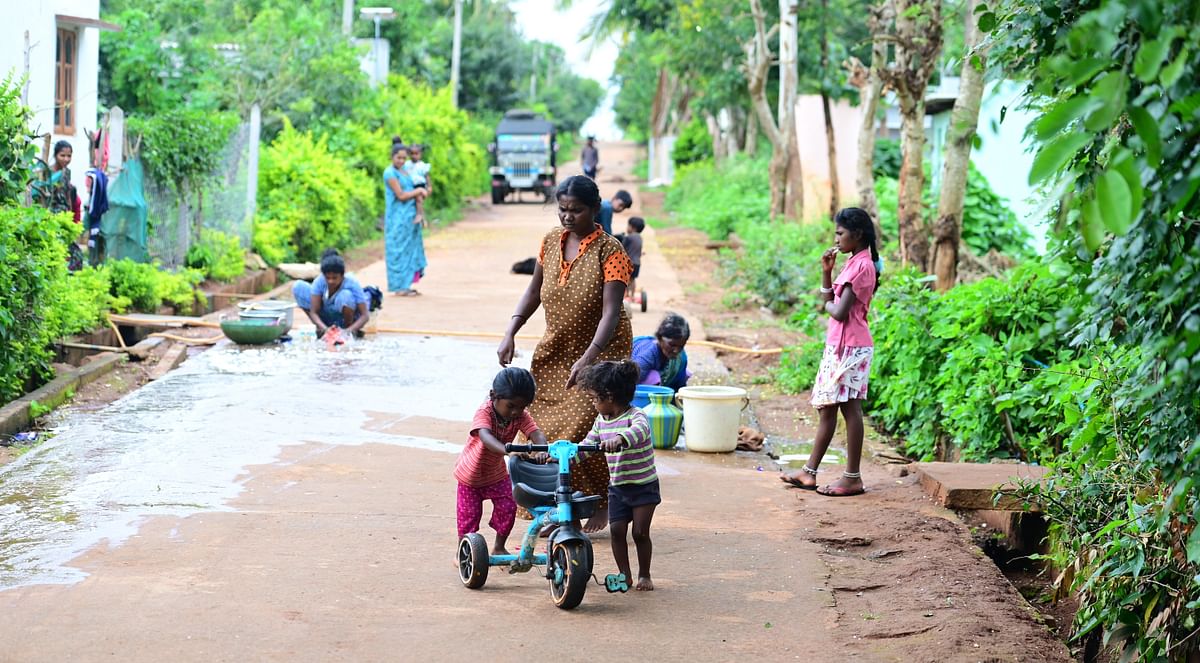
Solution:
(376, 46)
(377, 14)
(456, 52)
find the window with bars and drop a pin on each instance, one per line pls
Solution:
(65, 56)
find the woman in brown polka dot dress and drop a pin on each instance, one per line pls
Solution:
(580, 281)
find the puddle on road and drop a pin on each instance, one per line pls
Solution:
(178, 445)
(797, 454)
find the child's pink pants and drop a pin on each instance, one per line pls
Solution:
(470, 507)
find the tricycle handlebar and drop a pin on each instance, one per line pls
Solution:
(533, 448)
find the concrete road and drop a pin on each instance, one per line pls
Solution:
(291, 504)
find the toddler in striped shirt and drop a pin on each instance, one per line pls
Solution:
(623, 432)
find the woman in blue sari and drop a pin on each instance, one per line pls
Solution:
(404, 246)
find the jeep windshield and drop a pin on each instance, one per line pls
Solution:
(518, 143)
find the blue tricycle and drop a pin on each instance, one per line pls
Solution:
(545, 490)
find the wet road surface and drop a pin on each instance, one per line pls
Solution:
(292, 504)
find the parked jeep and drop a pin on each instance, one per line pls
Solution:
(523, 156)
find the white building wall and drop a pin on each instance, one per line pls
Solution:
(38, 18)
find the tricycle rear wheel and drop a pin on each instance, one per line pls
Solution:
(569, 571)
(473, 560)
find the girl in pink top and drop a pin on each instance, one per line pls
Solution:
(480, 470)
(842, 379)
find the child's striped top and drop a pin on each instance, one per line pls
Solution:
(635, 463)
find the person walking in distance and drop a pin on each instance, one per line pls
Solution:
(590, 157)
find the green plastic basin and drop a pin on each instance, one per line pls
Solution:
(254, 331)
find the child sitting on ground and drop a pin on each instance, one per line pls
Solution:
(623, 432)
(632, 241)
(418, 172)
(480, 470)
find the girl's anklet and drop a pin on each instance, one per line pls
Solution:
(852, 475)
(809, 470)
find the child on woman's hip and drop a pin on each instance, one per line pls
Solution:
(623, 432)
(480, 469)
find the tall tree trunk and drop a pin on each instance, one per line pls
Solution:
(918, 44)
(914, 240)
(835, 191)
(728, 121)
(835, 202)
(757, 67)
(750, 142)
(870, 84)
(789, 84)
(964, 119)
(714, 134)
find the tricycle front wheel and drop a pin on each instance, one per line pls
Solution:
(473, 560)
(570, 569)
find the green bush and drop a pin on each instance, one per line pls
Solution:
(973, 372)
(17, 149)
(797, 369)
(33, 264)
(83, 300)
(218, 255)
(694, 143)
(721, 200)
(147, 286)
(886, 160)
(419, 114)
(308, 198)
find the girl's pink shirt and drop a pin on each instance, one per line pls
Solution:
(859, 271)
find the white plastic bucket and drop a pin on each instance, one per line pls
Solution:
(711, 416)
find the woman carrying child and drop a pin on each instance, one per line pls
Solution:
(841, 382)
(480, 469)
(623, 432)
(404, 249)
(580, 280)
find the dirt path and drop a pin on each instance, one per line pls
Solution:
(906, 580)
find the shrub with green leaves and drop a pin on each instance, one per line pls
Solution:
(694, 144)
(148, 286)
(17, 149)
(218, 255)
(83, 300)
(971, 373)
(33, 264)
(307, 198)
(418, 114)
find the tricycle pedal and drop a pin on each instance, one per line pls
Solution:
(616, 582)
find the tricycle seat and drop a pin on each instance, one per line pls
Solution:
(534, 486)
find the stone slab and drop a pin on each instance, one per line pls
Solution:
(974, 485)
(173, 357)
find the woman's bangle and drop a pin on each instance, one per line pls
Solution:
(518, 315)
(597, 345)
(826, 291)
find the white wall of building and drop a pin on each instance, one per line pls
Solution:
(38, 18)
(814, 151)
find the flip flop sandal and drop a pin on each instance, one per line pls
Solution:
(795, 483)
(829, 491)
